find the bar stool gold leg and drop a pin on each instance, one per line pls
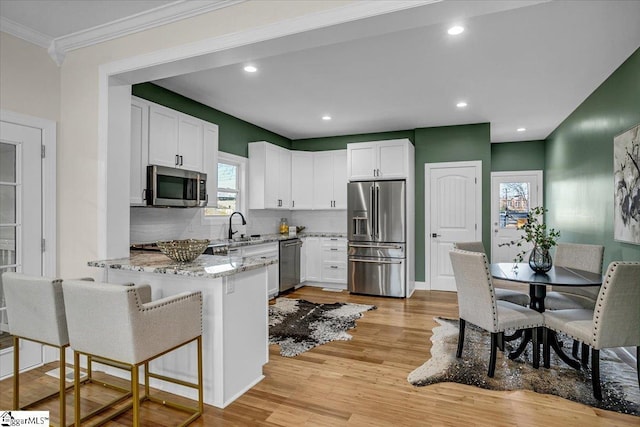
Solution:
(16, 373)
(63, 387)
(76, 385)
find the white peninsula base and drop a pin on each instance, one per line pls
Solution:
(234, 330)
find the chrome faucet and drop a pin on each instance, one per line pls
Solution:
(244, 222)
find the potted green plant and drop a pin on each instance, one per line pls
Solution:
(535, 231)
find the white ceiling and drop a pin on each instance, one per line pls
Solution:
(518, 64)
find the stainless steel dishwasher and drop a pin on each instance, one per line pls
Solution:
(289, 264)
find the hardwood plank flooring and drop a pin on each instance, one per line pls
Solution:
(361, 382)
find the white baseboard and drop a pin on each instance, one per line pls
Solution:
(421, 286)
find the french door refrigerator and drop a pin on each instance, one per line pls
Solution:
(376, 211)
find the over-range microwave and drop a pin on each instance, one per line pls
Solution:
(175, 187)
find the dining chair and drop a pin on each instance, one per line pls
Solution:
(613, 322)
(581, 257)
(515, 297)
(35, 312)
(120, 324)
(478, 305)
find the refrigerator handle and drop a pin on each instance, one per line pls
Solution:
(372, 210)
(377, 211)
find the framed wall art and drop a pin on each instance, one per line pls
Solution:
(626, 170)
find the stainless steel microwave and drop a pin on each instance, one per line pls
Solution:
(175, 187)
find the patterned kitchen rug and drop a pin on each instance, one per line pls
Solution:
(619, 380)
(298, 325)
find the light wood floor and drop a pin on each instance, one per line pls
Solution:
(362, 382)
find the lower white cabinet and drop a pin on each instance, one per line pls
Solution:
(326, 260)
(312, 248)
(334, 260)
(266, 249)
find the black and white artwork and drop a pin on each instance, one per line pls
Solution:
(626, 169)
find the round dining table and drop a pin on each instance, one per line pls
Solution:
(538, 282)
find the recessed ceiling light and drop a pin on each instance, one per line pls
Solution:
(461, 104)
(250, 69)
(326, 118)
(455, 30)
(521, 129)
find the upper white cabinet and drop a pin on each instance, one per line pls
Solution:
(379, 160)
(269, 176)
(165, 137)
(175, 139)
(139, 151)
(330, 179)
(302, 179)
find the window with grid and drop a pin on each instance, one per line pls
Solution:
(230, 186)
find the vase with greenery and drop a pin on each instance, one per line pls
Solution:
(535, 231)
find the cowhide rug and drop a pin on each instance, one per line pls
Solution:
(297, 325)
(619, 381)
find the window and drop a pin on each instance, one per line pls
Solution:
(230, 191)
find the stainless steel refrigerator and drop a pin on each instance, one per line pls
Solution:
(376, 211)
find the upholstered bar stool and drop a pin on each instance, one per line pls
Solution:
(35, 311)
(121, 325)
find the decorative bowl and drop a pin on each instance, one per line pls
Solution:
(183, 250)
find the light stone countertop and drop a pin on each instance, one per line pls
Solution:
(205, 266)
(269, 238)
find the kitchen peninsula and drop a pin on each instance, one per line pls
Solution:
(235, 319)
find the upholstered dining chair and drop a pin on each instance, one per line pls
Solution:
(581, 257)
(614, 322)
(515, 297)
(478, 305)
(35, 312)
(122, 325)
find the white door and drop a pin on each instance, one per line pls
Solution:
(20, 224)
(513, 194)
(453, 209)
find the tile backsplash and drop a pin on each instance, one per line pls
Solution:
(152, 224)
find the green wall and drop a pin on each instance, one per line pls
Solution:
(517, 156)
(579, 163)
(340, 142)
(451, 144)
(235, 134)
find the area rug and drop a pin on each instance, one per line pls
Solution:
(619, 380)
(297, 325)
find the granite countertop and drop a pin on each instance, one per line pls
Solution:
(205, 266)
(268, 238)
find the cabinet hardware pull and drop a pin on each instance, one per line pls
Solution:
(177, 161)
(180, 160)
(334, 266)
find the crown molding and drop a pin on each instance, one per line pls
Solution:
(166, 14)
(25, 33)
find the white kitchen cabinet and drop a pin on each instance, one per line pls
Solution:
(313, 251)
(269, 176)
(211, 141)
(175, 139)
(302, 179)
(139, 151)
(266, 249)
(330, 179)
(379, 159)
(156, 132)
(334, 260)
